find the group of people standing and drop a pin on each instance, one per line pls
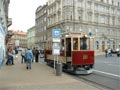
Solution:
(28, 56)
(11, 54)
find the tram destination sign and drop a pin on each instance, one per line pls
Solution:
(56, 33)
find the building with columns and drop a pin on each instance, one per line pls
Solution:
(101, 18)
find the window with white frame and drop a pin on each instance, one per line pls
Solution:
(112, 10)
(118, 3)
(80, 15)
(118, 21)
(96, 18)
(108, 1)
(112, 2)
(118, 11)
(102, 9)
(107, 9)
(89, 5)
(80, 3)
(68, 15)
(68, 2)
(96, 7)
(45, 19)
(96, 31)
(107, 20)
(102, 19)
(113, 21)
(101, 0)
(89, 17)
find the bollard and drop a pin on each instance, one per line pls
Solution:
(58, 69)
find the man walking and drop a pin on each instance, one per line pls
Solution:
(28, 57)
(37, 55)
(33, 51)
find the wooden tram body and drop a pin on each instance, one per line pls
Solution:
(76, 54)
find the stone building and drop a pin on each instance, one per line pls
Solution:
(31, 37)
(101, 18)
(19, 39)
(40, 24)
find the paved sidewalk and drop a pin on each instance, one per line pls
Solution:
(40, 77)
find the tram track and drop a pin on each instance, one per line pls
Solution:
(91, 82)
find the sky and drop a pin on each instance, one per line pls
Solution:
(22, 13)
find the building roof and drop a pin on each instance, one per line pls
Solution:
(19, 32)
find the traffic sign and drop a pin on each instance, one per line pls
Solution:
(56, 33)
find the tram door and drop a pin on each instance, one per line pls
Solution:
(68, 47)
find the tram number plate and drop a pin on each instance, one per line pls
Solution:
(85, 57)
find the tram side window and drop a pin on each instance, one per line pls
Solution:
(84, 43)
(75, 43)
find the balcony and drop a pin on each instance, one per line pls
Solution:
(9, 22)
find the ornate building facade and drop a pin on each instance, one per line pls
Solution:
(100, 17)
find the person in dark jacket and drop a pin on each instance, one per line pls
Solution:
(36, 55)
(33, 51)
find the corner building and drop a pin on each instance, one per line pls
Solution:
(100, 17)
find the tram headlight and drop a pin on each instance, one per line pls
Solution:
(66, 35)
(86, 35)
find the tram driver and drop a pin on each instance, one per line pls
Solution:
(83, 42)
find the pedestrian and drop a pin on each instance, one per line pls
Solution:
(33, 51)
(10, 58)
(28, 58)
(16, 50)
(36, 55)
(23, 56)
(106, 52)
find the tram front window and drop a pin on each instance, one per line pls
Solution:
(84, 43)
(75, 43)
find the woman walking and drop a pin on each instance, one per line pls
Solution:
(28, 58)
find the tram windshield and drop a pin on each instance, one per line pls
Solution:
(84, 43)
(75, 43)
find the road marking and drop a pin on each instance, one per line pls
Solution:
(107, 73)
(114, 65)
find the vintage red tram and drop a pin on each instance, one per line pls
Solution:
(76, 54)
